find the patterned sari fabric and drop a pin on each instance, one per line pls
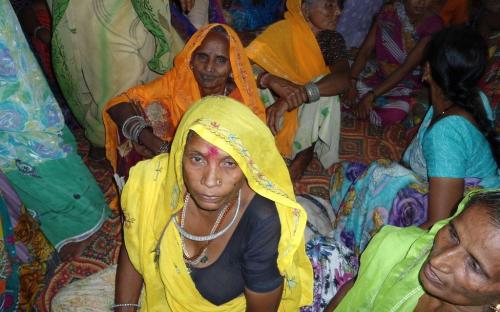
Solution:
(91, 42)
(395, 38)
(365, 198)
(37, 152)
(165, 99)
(26, 256)
(247, 15)
(289, 49)
(155, 193)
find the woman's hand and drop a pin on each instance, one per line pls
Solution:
(274, 114)
(295, 95)
(352, 94)
(362, 111)
(187, 5)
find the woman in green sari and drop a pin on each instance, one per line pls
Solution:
(453, 267)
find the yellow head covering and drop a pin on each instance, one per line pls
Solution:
(156, 188)
(289, 49)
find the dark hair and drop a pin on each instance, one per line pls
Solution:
(490, 201)
(458, 59)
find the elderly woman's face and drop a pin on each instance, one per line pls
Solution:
(212, 177)
(464, 264)
(210, 64)
(322, 14)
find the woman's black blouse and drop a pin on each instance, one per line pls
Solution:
(248, 260)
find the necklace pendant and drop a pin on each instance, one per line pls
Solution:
(204, 259)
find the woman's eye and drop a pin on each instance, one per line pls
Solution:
(475, 266)
(221, 60)
(197, 159)
(201, 57)
(230, 163)
(453, 234)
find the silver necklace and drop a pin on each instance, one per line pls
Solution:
(202, 257)
(211, 236)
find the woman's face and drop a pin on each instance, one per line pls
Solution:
(464, 265)
(212, 177)
(417, 7)
(210, 64)
(322, 14)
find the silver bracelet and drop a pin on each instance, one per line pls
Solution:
(125, 305)
(312, 91)
(132, 128)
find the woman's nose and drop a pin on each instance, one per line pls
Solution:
(447, 259)
(210, 177)
(209, 66)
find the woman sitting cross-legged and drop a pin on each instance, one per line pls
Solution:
(306, 67)
(453, 267)
(382, 89)
(212, 226)
(141, 122)
(454, 150)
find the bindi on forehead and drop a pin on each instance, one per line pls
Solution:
(213, 152)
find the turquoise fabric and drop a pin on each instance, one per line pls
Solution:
(456, 140)
(37, 152)
(367, 197)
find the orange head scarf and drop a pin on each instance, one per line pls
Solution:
(177, 90)
(289, 49)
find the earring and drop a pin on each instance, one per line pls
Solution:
(495, 308)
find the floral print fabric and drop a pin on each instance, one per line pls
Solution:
(30, 119)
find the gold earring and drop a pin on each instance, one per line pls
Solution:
(495, 308)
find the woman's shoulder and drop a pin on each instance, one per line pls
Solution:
(262, 209)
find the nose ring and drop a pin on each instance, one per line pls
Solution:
(219, 182)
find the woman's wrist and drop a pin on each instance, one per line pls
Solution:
(262, 80)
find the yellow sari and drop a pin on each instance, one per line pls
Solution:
(165, 99)
(154, 194)
(289, 49)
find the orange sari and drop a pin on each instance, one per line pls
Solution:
(165, 99)
(289, 49)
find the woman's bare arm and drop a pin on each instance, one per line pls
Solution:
(128, 282)
(444, 195)
(121, 112)
(339, 296)
(263, 302)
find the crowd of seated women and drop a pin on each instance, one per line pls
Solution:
(207, 155)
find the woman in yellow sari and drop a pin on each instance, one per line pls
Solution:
(224, 174)
(213, 62)
(303, 61)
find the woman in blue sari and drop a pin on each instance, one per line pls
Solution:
(453, 152)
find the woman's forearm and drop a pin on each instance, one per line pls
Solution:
(121, 112)
(128, 282)
(337, 82)
(413, 59)
(364, 53)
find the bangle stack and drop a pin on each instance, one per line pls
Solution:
(125, 305)
(132, 128)
(312, 91)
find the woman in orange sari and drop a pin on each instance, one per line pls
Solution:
(141, 122)
(304, 63)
